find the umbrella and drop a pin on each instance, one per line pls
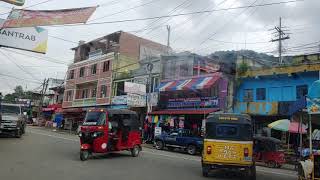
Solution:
(287, 126)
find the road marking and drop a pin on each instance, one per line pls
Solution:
(54, 136)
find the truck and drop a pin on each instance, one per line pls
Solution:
(182, 139)
(13, 121)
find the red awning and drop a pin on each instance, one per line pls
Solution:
(184, 111)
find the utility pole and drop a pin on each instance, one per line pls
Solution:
(168, 40)
(280, 37)
(42, 94)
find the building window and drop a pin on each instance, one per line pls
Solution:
(302, 91)
(261, 94)
(71, 74)
(85, 93)
(106, 66)
(248, 95)
(103, 92)
(94, 69)
(81, 73)
(69, 96)
(94, 92)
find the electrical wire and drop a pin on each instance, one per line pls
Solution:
(33, 5)
(23, 79)
(53, 60)
(176, 15)
(231, 20)
(11, 59)
(124, 10)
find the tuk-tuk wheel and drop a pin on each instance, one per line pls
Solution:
(84, 155)
(135, 151)
(205, 170)
(251, 173)
(272, 164)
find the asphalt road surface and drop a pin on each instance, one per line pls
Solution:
(44, 155)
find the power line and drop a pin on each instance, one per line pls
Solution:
(171, 12)
(232, 19)
(177, 15)
(21, 68)
(40, 58)
(62, 39)
(190, 18)
(43, 2)
(230, 42)
(124, 10)
(23, 79)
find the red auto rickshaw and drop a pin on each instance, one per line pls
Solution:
(268, 151)
(110, 130)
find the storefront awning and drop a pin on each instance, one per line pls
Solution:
(187, 84)
(184, 111)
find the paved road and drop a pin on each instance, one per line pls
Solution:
(42, 154)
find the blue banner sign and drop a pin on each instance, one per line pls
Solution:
(200, 102)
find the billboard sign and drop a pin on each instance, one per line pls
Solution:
(15, 2)
(200, 102)
(136, 100)
(31, 39)
(313, 98)
(30, 18)
(119, 100)
(134, 88)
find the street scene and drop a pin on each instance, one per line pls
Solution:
(210, 89)
(58, 157)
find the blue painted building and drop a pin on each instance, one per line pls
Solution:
(269, 94)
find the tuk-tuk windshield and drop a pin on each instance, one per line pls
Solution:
(235, 132)
(95, 118)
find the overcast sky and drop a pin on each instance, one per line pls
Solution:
(247, 28)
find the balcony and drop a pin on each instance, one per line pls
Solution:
(257, 108)
(84, 102)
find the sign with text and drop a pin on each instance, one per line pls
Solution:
(119, 100)
(136, 100)
(157, 131)
(31, 39)
(200, 102)
(30, 18)
(134, 88)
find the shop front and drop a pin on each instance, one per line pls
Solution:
(185, 104)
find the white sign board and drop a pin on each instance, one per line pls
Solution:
(136, 100)
(29, 38)
(154, 98)
(157, 131)
(134, 88)
(117, 100)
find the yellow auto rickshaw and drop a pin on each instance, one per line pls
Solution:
(228, 144)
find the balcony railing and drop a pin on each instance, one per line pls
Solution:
(84, 102)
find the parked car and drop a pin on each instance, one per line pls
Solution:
(182, 139)
(13, 124)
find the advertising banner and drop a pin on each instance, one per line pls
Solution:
(313, 98)
(136, 100)
(15, 2)
(119, 100)
(134, 88)
(31, 39)
(30, 18)
(201, 102)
